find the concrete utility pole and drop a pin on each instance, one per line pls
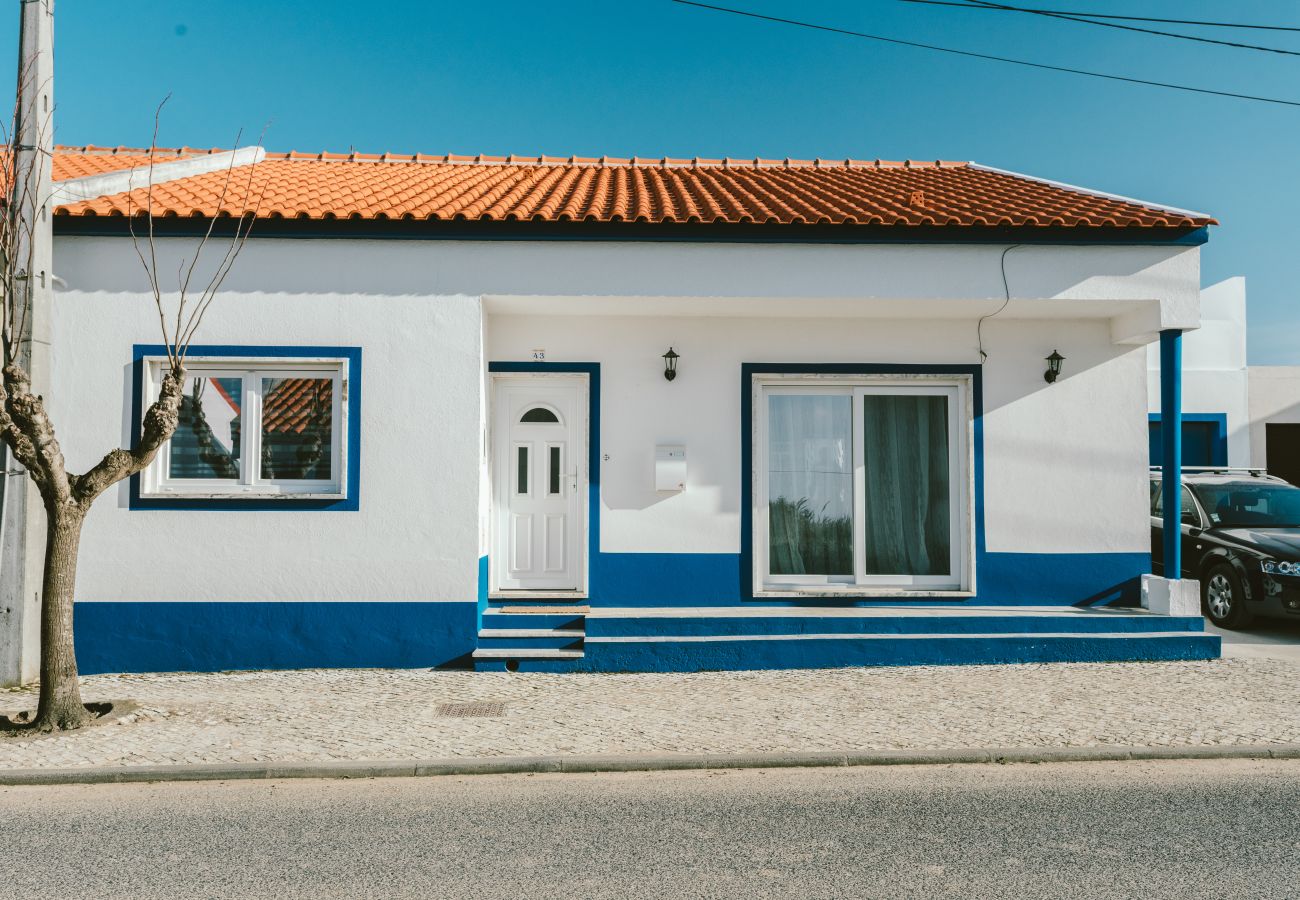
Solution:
(22, 518)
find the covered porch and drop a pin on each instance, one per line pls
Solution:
(671, 579)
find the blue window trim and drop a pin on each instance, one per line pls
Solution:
(1220, 436)
(747, 373)
(350, 503)
(592, 371)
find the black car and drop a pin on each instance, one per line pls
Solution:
(1240, 539)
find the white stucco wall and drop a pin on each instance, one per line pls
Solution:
(1091, 424)
(1214, 366)
(1064, 465)
(666, 269)
(416, 527)
(1274, 397)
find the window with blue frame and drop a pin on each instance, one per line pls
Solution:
(861, 482)
(1204, 440)
(252, 428)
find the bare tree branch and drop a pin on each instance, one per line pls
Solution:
(159, 424)
(198, 251)
(243, 228)
(150, 265)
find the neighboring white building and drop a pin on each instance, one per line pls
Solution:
(429, 421)
(1233, 414)
(1275, 420)
(1216, 416)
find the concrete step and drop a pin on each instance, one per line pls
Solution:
(525, 659)
(495, 619)
(536, 638)
(526, 664)
(526, 653)
(539, 606)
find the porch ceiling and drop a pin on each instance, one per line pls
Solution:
(1132, 321)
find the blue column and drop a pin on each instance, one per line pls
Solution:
(1171, 435)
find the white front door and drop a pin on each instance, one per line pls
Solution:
(539, 482)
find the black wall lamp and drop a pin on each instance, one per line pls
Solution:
(670, 364)
(1053, 367)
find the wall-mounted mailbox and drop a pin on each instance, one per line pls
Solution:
(670, 468)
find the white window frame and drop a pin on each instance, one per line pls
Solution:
(961, 581)
(154, 481)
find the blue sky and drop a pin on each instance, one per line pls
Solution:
(651, 78)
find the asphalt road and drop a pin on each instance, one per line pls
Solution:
(1265, 638)
(1213, 829)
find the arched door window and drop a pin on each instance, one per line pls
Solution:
(540, 415)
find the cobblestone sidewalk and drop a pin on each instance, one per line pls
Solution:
(363, 715)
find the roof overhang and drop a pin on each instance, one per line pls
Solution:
(756, 233)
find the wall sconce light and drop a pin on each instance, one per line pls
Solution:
(1053, 367)
(670, 364)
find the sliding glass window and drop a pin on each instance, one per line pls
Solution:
(861, 484)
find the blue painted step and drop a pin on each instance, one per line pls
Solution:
(647, 639)
(493, 619)
(791, 652)
(603, 624)
(832, 650)
(524, 665)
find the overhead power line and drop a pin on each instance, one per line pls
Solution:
(1094, 15)
(986, 56)
(1082, 20)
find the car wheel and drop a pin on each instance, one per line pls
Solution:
(1223, 600)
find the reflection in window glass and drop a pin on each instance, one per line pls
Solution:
(810, 484)
(297, 428)
(908, 518)
(1263, 505)
(206, 441)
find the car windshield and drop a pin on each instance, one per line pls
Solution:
(1256, 506)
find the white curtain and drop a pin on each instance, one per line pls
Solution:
(810, 484)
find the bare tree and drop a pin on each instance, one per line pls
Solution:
(25, 424)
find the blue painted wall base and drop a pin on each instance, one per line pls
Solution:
(1002, 579)
(215, 637)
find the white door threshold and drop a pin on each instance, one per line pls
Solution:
(575, 596)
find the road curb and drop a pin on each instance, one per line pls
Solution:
(629, 762)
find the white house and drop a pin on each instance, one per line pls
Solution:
(429, 421)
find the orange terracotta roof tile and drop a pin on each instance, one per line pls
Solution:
(80, 162)
(664, 190)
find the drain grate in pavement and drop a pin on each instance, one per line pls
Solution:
(474, 708)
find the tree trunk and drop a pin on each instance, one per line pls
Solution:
(60, 706)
